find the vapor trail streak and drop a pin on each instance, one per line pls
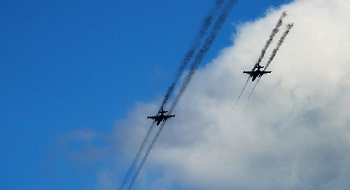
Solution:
(245, 85)
(205, 47)
(272, 35)
(136, 158)
(251, 92)
(146, 155)
(274, 51)
(203, 30)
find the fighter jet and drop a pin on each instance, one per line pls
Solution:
(256, 72)
(160, 116)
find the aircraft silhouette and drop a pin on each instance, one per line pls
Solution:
(256, 72)
(160, 116)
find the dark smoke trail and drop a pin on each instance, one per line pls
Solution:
(274, 51)
(245, 85)
(136, 158)
(194, 66)
(289, 27)
(272, 35)
(267, 44)
(203, 30)
(205, 47)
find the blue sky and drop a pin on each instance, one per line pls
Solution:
(70, 65)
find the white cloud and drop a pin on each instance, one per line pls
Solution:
(294, 133)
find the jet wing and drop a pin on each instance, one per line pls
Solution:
(155, 118)
(248, 72)
(168, 116)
